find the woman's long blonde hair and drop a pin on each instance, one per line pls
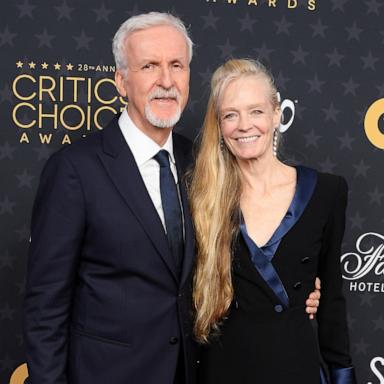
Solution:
(215, 190)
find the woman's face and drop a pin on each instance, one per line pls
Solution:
(248, 118)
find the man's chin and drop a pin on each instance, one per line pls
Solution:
(164, 113)
(162, 120)
(165, 123)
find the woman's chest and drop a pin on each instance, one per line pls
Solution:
(293, 265)
(263, 214)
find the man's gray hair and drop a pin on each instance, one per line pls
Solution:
(144, 21)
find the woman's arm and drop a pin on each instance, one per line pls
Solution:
(332, 323)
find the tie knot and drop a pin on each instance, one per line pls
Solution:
(162, 158)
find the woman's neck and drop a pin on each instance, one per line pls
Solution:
(262, 175)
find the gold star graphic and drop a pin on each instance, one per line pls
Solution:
(69, 67)
(32, 65)
(44, 65)
(19, 64)
(57, 66)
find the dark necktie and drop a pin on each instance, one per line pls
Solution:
(171, 207)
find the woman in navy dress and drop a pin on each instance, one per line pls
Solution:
(264, 231)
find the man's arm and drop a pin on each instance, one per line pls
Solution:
(56, 236)
(313, 300)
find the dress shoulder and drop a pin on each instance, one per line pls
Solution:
(331, 191)
(335, 184)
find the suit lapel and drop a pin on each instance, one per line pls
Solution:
(122, 169)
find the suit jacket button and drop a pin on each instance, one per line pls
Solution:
(305, 260)
(173, 340)
(297, 285)
(278, 308)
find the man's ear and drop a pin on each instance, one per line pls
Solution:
(119, 81)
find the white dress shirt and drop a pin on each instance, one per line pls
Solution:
(144, 149)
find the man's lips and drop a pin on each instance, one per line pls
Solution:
(164, 99)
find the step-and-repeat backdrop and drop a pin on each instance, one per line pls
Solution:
(327, 56)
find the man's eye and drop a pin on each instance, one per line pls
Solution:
(256, 111)
(177, 66)
(148, 67)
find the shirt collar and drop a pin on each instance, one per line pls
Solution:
(142, 146)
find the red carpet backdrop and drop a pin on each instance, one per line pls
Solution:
(327, 56)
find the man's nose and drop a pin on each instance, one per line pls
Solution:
(165, 78)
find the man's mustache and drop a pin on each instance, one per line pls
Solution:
(161, 93)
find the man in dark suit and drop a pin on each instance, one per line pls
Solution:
(108, 289)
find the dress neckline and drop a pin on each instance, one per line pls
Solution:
(305, 184)
(262, 257)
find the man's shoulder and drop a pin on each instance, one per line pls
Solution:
(182, 142)
(182, 148)
(84, 147)
(91, 141)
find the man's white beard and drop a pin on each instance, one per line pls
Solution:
(162, 123)
(160, 92)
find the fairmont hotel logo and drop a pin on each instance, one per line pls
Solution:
(367, 260)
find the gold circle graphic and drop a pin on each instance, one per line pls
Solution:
(371, 123)
(19, 375)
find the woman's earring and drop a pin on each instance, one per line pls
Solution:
(222, 144)
(274, 147)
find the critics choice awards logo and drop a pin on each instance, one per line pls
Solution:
(309, 5)
(55, 101)
(372, 120)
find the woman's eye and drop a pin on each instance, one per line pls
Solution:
(229, 116)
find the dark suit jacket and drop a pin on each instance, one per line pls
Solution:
(104, 302)
(262, 342)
